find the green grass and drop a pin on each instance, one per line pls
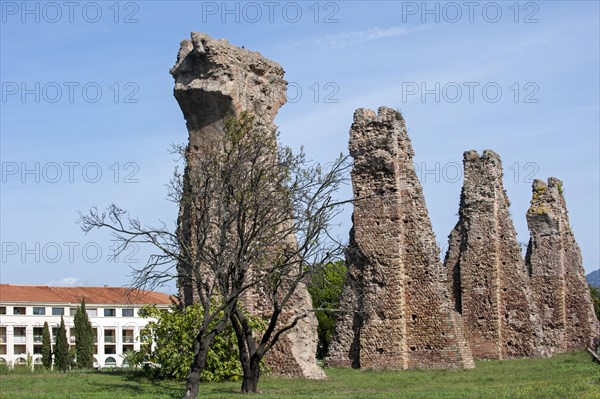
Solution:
(571, 375)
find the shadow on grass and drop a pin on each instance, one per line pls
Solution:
(136, 382)
(167, 385)
(221, 390)
(131, 388)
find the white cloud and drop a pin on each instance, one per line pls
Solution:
(352, 37)
(67, 281)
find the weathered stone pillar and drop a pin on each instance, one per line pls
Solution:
(215, 80)
(558, 284)
(487, 277)
(395, 310)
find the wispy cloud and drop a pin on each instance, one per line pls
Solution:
(67, 281)
(361, 36)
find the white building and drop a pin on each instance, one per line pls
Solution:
(113, 313)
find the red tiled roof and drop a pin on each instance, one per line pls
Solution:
(73, 295)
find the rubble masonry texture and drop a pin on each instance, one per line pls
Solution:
(558, 284)
(215, 80)
(487, 277)
(401, 316)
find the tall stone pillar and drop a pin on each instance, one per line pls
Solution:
(558, 284)
(487, 277)
(396, 313)
(214, 81)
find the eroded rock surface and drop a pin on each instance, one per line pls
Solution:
(396, 311)
(559, 289)
(215, 80)
(487, 277)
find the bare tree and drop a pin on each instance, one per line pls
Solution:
(303, 245)
(253, 216)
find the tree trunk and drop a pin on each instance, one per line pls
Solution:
(192, 383)
(251, 376)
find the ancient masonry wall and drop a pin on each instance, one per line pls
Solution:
(558, 285)
(487, 277)
(215, 80)
(401, 316)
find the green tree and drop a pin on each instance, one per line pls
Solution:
(29, 362)
(84, 338)
(169, 342)
(595, 293)
(46, 347)
(134, 359)
(72, 358)
(61, 348)
(325, 288)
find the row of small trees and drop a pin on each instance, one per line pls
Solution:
(61, 355)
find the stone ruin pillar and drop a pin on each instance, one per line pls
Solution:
(396, 313)
(487, 277)
(558, 284)
(215, 80)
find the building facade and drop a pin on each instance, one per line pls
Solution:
(112, 311)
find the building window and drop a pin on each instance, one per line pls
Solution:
(127, 312)
(92, 312)
(110, 336)
(19, 335)
(110, 312)
(72, 311)
(20, 350)
(38, 310)
(19, 310)
(128, 336)
(58, 311)
(38, 335)
(2, 309)
(110, 362)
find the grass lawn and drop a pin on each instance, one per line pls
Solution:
(571, 375)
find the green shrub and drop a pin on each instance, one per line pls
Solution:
(325, 288)
(133, 359)
(595, 293)
(4, 369)
(173, 335)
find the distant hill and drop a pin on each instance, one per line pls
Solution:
(594, 278)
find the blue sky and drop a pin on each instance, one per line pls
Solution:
(88, 115)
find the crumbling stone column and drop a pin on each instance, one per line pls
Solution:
(396, 313)
(215, 80)
(558, 284)
(487, 277)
